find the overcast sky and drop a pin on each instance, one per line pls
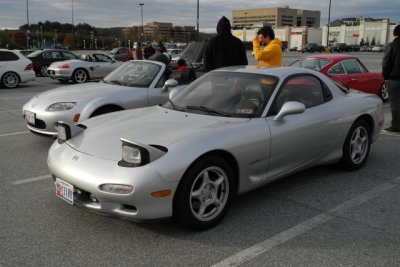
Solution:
(122, 13)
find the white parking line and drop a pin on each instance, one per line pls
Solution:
(31, 180)
(282, 237)
(16, 133)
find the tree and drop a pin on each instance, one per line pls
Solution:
(362, 42)
(18, 38)
(373, 41)
(367, 42)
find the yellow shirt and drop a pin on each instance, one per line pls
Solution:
(271, 55)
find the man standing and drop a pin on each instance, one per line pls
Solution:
(271, 55)
(391, 74)
(224, 49)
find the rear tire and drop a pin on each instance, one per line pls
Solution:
(10, 80)
(356, 146)
(80, 76)
(204, 194)
(43, 71)
(383, 93)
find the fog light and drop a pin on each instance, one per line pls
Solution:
(93, 198)
(116, 188)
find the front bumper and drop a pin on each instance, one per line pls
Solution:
(86, 173)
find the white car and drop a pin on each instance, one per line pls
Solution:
(90, 67)
(136, 83)
(15, 68)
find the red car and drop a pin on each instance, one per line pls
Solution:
(347, 70)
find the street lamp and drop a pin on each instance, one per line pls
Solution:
(27, 19)
(244, 27)
(73, 32)
(329, 22)
(141, 14)
(197, 19)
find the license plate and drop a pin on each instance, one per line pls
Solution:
(29, 117)
(64, 190)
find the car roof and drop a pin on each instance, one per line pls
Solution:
(329, 56)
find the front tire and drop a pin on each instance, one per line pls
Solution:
(204, 194)
(356, 147)
(10, 80)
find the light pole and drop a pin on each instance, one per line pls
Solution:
(141, 14)
(41, 35)
(27, 19)
(197, 22)
(329, 22)
(244, 27)
(73, 32)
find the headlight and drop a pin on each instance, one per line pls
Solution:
(135, 154)
(116, 188)
(61, 106)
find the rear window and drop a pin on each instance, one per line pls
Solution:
(8, 56)
(312, 63)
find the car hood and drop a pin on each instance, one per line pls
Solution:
(75, 93)
(149, 126)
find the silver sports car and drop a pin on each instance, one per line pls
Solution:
(90, 67)
(230, 131)
(134, 84)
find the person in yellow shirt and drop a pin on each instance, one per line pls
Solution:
(271, 55)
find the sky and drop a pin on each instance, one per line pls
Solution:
(123, 13)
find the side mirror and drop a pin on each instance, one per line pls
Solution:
(169, 84)
(289, 108)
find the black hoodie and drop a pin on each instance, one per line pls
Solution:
(224, 49)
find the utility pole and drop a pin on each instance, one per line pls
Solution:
(198, 32)
(329, 22)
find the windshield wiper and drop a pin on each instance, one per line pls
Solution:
(175, 107)
(209, 110)
(116, 82)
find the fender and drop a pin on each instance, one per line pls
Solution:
(97, 103)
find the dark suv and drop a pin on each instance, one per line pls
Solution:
(312, 47)
(340, 47)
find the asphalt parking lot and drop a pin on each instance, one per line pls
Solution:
(320, 217)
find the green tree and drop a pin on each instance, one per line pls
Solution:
(362, 42)
(373, 41)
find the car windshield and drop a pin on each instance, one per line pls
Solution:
(114, 51)
(230, 94)
(134, 74)
(311, 63)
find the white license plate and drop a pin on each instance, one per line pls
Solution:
(65, 190)
(29, 117)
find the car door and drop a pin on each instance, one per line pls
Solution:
(354, 75)
(298, 140)
(103, 65)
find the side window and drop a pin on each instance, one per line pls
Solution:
(8, 56)
(56, 55)
(305, 89)
(336, 69)
(351, 66)
(68, 55)
(47, 55)
(161, 82)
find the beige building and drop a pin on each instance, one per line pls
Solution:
(276, 17)
(156, 31)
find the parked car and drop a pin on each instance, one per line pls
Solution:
(231, 131)
(193, 54)
(42, 59)
(174, 52)
(340, 47)
(134, 84)
(347, 70)
(15, 68)
(378, 48)
(355, 48)
(122, 53)
(312, 47)
(365, 49)
(294, 48)
(93, 66)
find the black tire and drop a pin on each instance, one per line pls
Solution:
(204, 195)
(80, 76)
(383, 93)
(10, 80)
(43, 71)
(357, 145)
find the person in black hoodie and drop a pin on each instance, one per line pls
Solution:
(224, 49)
(391, 74)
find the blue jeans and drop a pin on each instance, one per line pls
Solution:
(393, 87)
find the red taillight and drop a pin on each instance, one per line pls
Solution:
(65, 66)
(29, 66)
